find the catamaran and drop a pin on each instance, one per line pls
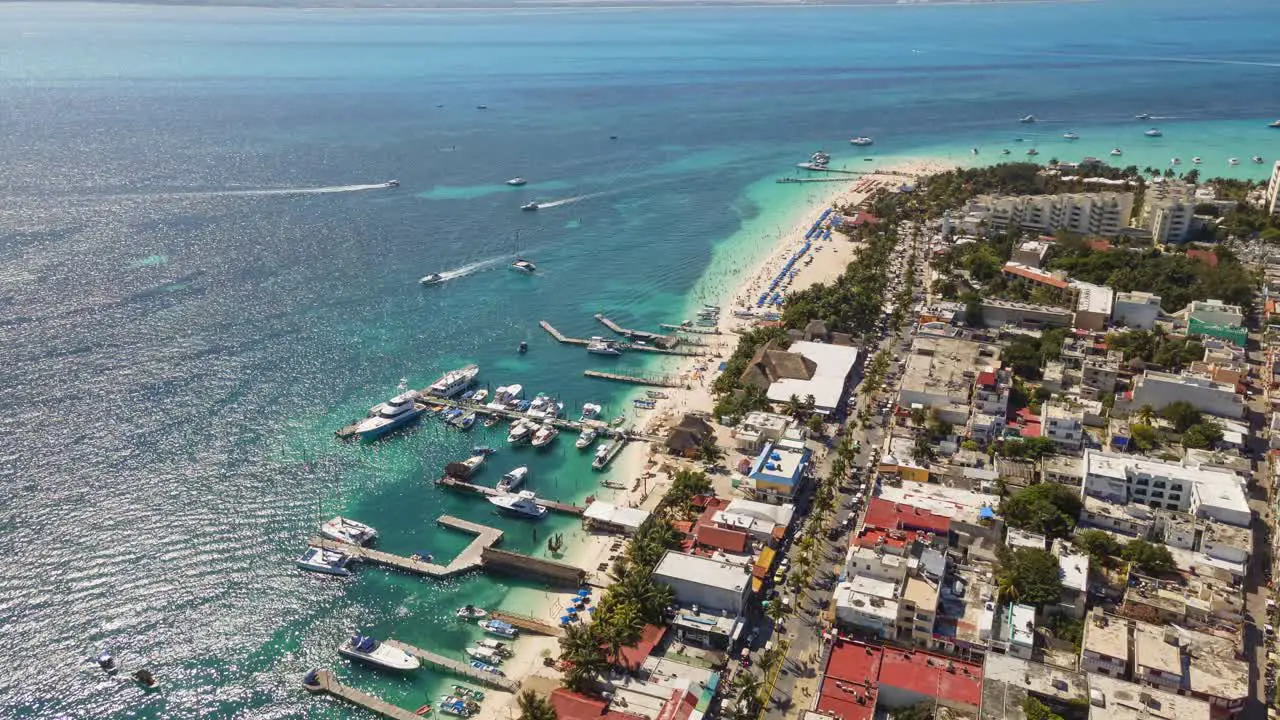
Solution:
(329, 562)
(349, 531)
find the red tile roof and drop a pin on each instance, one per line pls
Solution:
(987, 378)
(1030, 430)
(1035, 276)
(928, 675)
(575, 706)
(633, 655)
(679, 707)
(1208, 257)
(870, 537)
(722, 538)
(851, 675)
(892, 516)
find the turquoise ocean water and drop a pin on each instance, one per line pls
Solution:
(179, 346)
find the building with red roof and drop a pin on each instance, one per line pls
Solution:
(1018, 270)
(888, 515)
(570, 705)
(908, 677)
(848, 688)
(1208, 257)
(718, 538)
(633, 655)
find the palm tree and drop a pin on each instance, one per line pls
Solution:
(776, 611)
(621, 628)
(1145, 413)
(709, 452)
(580, 646)
(535, 707)
(748, 688)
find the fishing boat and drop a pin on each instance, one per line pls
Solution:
(1153, 132)
(471, 612)
(466, 468)
(555, 542)
(520, 431)
(432, 279)
(522, 504)
(492, 420)
(1275, 124)
(517, 181)
(545, 435)
(146, 679)
(482, 667)
(643, 404)
(423, 710)
(861, 141)
(451, 705)
(585, 439)
(602, 456)
(349, 531)
(454, 382)
(471, 693)
(107, 662)
(511, 481)
(1027, 119)
(590, 410)
(371, 652)
(529, 206)
(484, 655)
(1070, 136)
(386, 416)
(1004, 152)
(1116, 152)
(327, 562)
(497, 627)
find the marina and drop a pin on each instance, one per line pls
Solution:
(324, 682)
(690, 329)
(461, 668)
(668, 381)
(465, 486)
(638, 334)
(665, 342)
(467, 560)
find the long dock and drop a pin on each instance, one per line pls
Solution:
(651, 380)
(823, 168)
(559, 336)
(791, 180)
(690, 329)
(326, 683)
(489, 492)
(666, 349)
(527, 623)
(457, 667)
(601, 427)
(469, 559)
(662, 341)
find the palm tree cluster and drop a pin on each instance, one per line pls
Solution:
(684, 486)
(535, 707)
(632, 602)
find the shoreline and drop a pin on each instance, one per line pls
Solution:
(648, 472)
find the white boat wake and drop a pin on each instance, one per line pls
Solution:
(567, 201)
(465, 270)
(289, 191)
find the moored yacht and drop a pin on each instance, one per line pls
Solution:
(484, 654)
(587, 437)
(600, 346)
(602, 456)
(817, 161)
(466, 468)
(522, 504)
(516, 181)
(862, 141)
(396, 412)
(494, 645)
(513, 480)
(1116, 152)
(590, 410)
(520, 431)
(545, 435)
(523, 266)
(349, 531)
(1175, 161)
(499, 628)
(329, 562)
(370, 651)
(454, 382)
(1153, 132)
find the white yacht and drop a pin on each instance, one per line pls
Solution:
(587, 437)
(545, 435)
(349, 531)
(484, 655)
(370, 651)
(1027, 119)
(471, 612)
(1275, 124)
(1070, 136)
(529, 206)
(495, 645)
(513, 480)
(1233, 161)
(517, 181)
(1153, 132)
(1257, 159)
(499, 628)
(602, 456)
(521, 430)
(396, 412)
(522, 504)
(862, 141)
(1116, 152)
(590, 410)
(432, 279)
(1004, 151)
(329, 562)
(1196, 160)
(600, 346)
(524, 266)
(454, 382)
(1142, 116)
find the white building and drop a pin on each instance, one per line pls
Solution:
(757, 519)
(867, 562)
(834, 364)
(1074, 570)
(1100, 213)
(758, 428)
(1159, 389)
(1272, 201)
(1018, 630)
(869, 605)
(940, 374)
(1111, 698)
(1031, 253)
(712, 585)
(1093, 305)
(1170, 220)
(1205, 492)
(1104, 649)
(1137, 310)
(1063, 425)
(1213, 312)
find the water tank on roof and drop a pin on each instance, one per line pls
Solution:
(1097, 698)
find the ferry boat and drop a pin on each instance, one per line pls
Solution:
(517, 181)
(590, 410)
(484, 655)
(585, 439)
(602, 456)
(529, 206)
(520, 431)
(861, 141)
(432, 279)
(1070, 136)
(545, 435)
(1116, 152)
(396, 412)
(369, 651)
(513, 480)
(600, 346)
(328, 562)
(1196, 160)
(1153, 132)
(349, 531)
(494, 626)
(1233, 161)
(454, 382)
(524, 266)
(1027, 119)
(471, 612)
(522, 504)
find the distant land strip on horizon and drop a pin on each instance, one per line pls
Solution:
(533, 4)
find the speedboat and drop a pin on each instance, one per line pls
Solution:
(529, 206)
(590, 410)
(1071, 136)
(484, 655)
(523, 266)
(370, 651)
(392, 183)
(432, 279)
(451, 705)
(1196, 160)
(1142, 116)
(862, 141)
(473, 693)
(1027, 119)
(1275, 124)
(466, 468)
(107, 662)
(1033, 151)
(1257, 159)
(1153, 132)
(471, 612)
(320, 560)
(492, 420)
(1017, 139)
(1175, 161)
(520, 431)
(974, 150)
(1004, 152)
(513, 480)
(454, 382)
(523, 347)
(497, 627)
(494, 645)
(349, 531)
(396, 412)
(600, 346)
(1116, 152)
(1233, 161)
(587, 437)
(522, 504)
(516, 181)
(545, 435)
(482, 450)
(482, 667)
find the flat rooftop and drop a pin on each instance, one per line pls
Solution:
(703, 571)
(930, 675)
(834, 364)
(922, 593)
(1123, 700)
(1006, 681)
(946, 367)
(848, 688)
(1106, 635)
(956, 504)
(1150, 650)
(780, 464)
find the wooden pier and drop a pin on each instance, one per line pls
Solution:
(469, 559)
(614, 449)
(326, 683)
(665, 347)
(527, 623)
(526, 566)
(559, 336)
(662, 341)
(667, 381)
(823, 168)
(791, 180)
(489, 492)
(458, 667)
(690, 329)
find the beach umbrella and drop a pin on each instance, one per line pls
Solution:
(571, 611)
(584, 593)
(565, 619)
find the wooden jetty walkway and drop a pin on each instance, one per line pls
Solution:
(458, 667)
(457, 484)
(690, 329)
(667, 348)
(469, 559)
(662, 341)
(668, 381)
(823, 168)
(790, 180)
(527, 623)
(326, 683)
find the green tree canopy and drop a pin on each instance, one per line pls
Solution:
(1202, 435)
(1182, 414)
(1029, 575)
(1048, 508)
(535, 707)
(1097, 544)
(1149, 558)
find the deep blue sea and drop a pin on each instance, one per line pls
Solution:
(178, 341)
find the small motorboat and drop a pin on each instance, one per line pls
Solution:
(107, 662)
(1257, 159)
(585, 439)
(466, 468)
(451, 705)
(482, 107)
(467, 421)
(602, 456)
(512, 481)
(529, 206)
(523, 347)
(1196, 160)
(1070, 136)
(484, 655)
(349, 531)
(499, 628)
(1004, 152)
(1017, 139)
(1142, 116)
(517, 181)
(432, 279)
(471, 693)
(862, 141)
(492, 420)
(523, 266)
(496, 646)
(656, 394)
(1233, 161)
(973, 151)
(484, 667)
(1033, 152)
(480, 396)
(545, 435)
(482, 450)
(423, 710)
(422, 556)
(392, 183)
(1274, 124)
(1153, 132)
(371, 652)
(327, 562)
(146, 679)
(1027, 119)
(1175, 161)
(1116, 152)
(590, 410)
(471, 612)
